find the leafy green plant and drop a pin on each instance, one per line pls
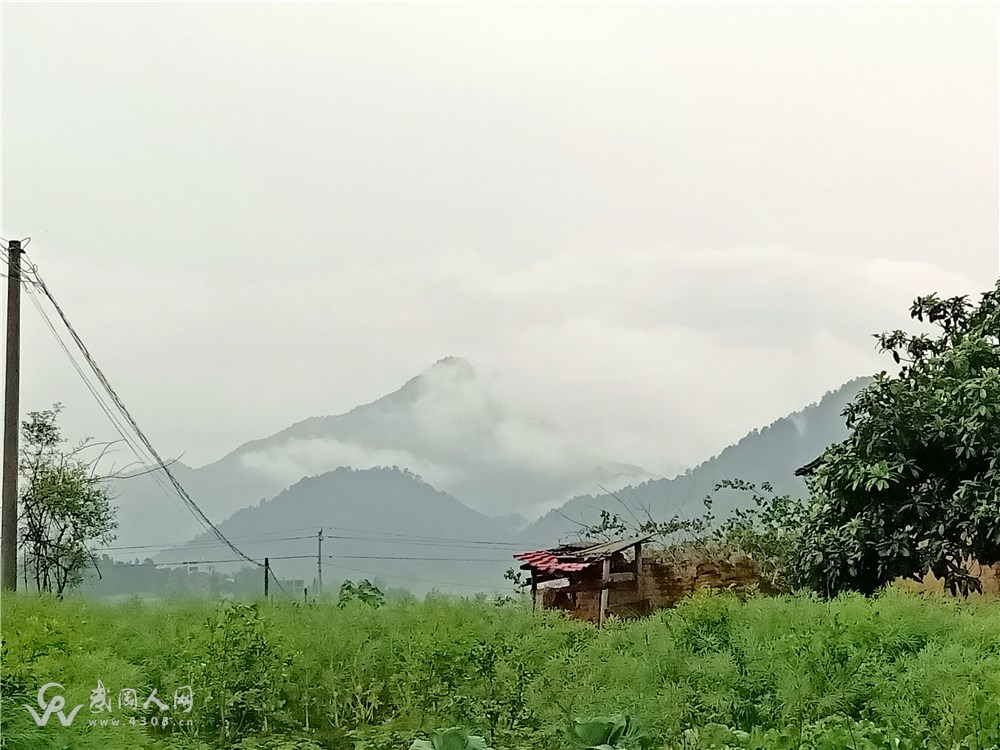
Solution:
(714, 736)
(608, 733)
(240, 678)
(278, 743)
(364, 591)
(768, 533)
(453, 738)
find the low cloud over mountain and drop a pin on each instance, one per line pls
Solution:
(445, 425)
(448, 427)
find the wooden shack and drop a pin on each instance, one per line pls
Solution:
(589, 579)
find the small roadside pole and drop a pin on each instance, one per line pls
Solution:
(267, 574)
(305, 595)
(319, 563)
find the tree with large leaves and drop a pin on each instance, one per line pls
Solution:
(915, 488)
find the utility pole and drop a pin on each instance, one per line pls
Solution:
(11, 413)
(319, 563)
(267, 575)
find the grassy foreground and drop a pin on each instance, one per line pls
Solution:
(900, 671)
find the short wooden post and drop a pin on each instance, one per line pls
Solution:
(534, 591)
(605, 584)
(638, 571)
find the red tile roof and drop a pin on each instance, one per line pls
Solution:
(571, 558)
(545, 560)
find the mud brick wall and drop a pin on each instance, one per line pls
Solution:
(667, 580)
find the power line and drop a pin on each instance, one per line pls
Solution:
(229, 560)
(102, 379)
(248, 540)
(373, 573)
(428, 538)
(166, 548)
(435, 559)
(340, 557)
(115, 421)
(271, 571)
(411, 578)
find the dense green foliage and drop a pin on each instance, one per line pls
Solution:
(896, 671)
(364, 591)
(915, 488)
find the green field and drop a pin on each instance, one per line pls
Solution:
(897, 671)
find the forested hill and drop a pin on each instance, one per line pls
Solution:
(378, 523)
(771, 454)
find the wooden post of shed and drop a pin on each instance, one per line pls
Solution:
(534, 591)
(605, 584)
(638, 572)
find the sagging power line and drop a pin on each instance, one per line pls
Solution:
(31, 275)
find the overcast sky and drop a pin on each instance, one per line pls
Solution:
(654, 226)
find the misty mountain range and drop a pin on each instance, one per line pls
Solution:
(443, 425)
(409, 488)
(771, 454)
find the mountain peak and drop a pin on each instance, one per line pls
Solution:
(455, 367)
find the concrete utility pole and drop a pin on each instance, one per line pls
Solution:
(319, 563)
(11, 415)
